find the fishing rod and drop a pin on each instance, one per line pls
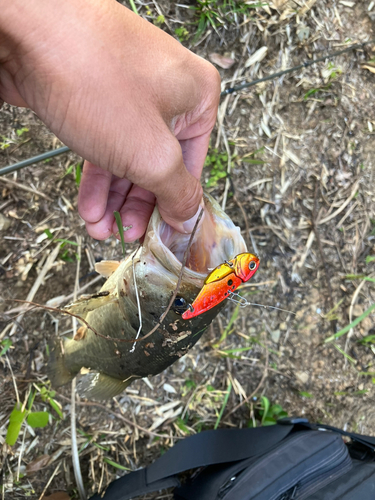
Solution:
(245, 85)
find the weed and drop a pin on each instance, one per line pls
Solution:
(182, 33)
(218, 13)
(120, 228)
(76, 170)
(21, 131)
(159, 21)
(305, 394)
(265, 413)
(19, 414)
(217, 163)
(314, 91)
(5, 345)
(67, 254)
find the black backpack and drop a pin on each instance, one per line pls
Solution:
(293, 460)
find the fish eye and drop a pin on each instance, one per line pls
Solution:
(179, 305)
(252, 265)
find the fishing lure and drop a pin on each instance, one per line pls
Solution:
(222, 281)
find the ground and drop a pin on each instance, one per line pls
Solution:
(300, 186)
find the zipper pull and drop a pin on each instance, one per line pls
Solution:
(290, 494)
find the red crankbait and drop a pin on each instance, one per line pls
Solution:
(222, 281)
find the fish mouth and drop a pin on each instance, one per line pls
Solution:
(216, 239)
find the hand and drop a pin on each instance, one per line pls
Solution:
(122, 94)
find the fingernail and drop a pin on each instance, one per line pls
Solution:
(188, 225)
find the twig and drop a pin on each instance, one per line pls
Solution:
(49, 481)
(118, 415)
(14, 380)
(247, 399)
(47, 266)
(25, 188)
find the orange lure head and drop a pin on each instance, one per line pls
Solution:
(245, 266)
(222, 281)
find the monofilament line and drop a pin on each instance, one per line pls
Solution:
(242, 302)
(138, 303)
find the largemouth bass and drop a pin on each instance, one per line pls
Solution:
(113, 312)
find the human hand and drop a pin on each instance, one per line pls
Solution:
(122, 94)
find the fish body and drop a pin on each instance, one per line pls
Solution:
(110, 363)
(221, 282)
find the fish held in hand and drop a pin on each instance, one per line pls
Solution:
(108, 360)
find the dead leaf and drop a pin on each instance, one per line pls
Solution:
(38, 463)
(59, 495)
(221, 61)
(256, 57)
(369, 67)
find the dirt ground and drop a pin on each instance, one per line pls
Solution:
(306, 204)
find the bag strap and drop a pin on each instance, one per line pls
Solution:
(210, 448)
(368, 441)
(206, 448)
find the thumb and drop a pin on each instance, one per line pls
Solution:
(180, 208)
(179, 195)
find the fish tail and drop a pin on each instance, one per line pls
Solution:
(57, 370)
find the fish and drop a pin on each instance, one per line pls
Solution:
(106, 364)
(222, 282)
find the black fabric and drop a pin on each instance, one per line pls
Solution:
(308, 459)
(133, 485)
(357, 484)
(238, 453)
(216, 447)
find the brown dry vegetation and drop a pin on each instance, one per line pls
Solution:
(310, 208)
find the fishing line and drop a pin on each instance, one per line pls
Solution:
(245, 85)
(242, 302)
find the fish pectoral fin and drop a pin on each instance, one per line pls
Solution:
(88, 303)
(106, 267)
(95, 385)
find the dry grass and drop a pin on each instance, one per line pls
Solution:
(306, 204)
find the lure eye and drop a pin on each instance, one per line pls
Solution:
(252, 265)
(179, 305)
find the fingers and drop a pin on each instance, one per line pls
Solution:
(177, 191)
(136, 212)
(93, 192)
(101, 194)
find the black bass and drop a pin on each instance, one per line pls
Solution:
(111, 365)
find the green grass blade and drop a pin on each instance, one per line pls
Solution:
(227, 329)
(115, 464)
(346, 355)
(120, 231)
(224, 405)
(134, 9)
(351, 325)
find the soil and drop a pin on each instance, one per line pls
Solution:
(309, 203)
